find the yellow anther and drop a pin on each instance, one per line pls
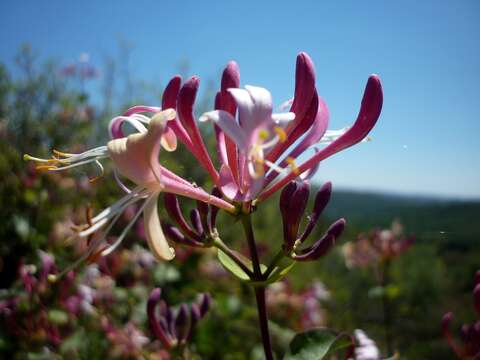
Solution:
(263, 134)
(52, 278)
(61, 153)
(282, 135)
(45, 167)
(291, 161)
(95, 179)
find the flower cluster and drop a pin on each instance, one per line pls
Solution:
(377, 246)
(293, 202)
(174, 329)
(470, 334)
(257, 152)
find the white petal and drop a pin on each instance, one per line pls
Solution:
(153, 230)
(228, 124)
(283, 117)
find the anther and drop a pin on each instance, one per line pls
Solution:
(282, 135)
(291, 161)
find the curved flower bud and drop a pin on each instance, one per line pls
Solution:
(369, 113)
(322, 246)
(293, 202)
(321, 200)
(159, 331)
(182, 323)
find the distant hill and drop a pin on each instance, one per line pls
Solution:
(453, 222)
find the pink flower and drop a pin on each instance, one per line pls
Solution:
(260, 145)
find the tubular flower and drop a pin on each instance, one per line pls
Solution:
(260, 145)
(136, 158)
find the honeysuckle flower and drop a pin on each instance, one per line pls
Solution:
(136, 158)
(257, 130)
(376, 246)
(469, 349)
(258, 147)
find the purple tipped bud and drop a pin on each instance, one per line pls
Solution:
(213, 209)
(182, 323)
(196, 221)
(159, 331)
(336, 229)
(476, 297)
(175, 235)
(317, 250)
(203, 210)
(173, 209)
(321, 200)
(293, 202)
(205, 303)
(169, 97)
(323, 246)
(195, 316)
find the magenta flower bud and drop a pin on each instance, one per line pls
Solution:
(182, 323)
(195, 316)
(159, 331)
(203, 209)
(196, 221)
(175, 235)
(173, 209)
(230, 79)
(317, 250)
(337, 228)
(322, 246)
(169, 97)
(213, 209)
(293, 202)
(321, 200)
(205, 304)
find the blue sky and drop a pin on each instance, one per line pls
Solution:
(427, 54)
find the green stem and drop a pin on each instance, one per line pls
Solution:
(219, 244)
(259, 290)
(247, 226)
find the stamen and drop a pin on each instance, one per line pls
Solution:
(282, 135)
(263, 134)
(119, 240)
(102, 172)
(291, 162)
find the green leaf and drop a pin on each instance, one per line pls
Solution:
(280, 272)
(316, 344)
(233, 267)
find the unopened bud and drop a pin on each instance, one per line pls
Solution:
(182, 323)
(196, 221)
(173, 209)
(175, 235)
(293, 202)
(213, 209)
(205, 303)
(321, 200)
